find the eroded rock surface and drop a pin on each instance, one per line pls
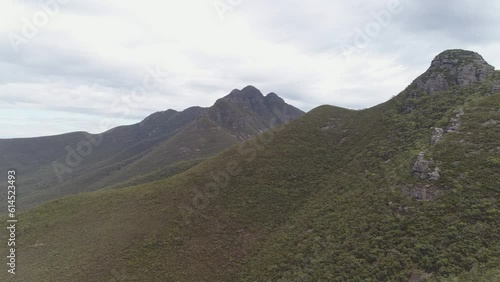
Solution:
(454, 67)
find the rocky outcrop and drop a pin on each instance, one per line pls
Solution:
(496, 87)
(434, 175)
(422, 168)
(453, 67)
(433, 83)
(437, 135)
(455, 122)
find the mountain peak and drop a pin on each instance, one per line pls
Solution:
(249, 108)
(457, 57)
(454, 67)
(250, 89)
(245, 93)
(252, 98)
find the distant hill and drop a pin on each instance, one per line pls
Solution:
(405, 191)
(163, 144)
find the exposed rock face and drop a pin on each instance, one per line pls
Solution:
(455, 125)
(455, 122)
(435, 82)
(454, 67)
(434, 175)
(496, 87)
(422, 168)
(437, 134)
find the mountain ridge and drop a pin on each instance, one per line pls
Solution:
(79, 161)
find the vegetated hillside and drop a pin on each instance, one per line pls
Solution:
(48, 170)
(404, 191)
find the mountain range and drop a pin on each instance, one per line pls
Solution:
(407, 190)
(161, 145)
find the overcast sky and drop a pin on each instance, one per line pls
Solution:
(67, 65)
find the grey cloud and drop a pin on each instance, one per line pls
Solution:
(462, 20)
(42, 62)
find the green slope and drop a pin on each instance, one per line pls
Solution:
(198, 140)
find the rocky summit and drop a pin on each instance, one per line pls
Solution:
(248, 109)
(454, 67)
